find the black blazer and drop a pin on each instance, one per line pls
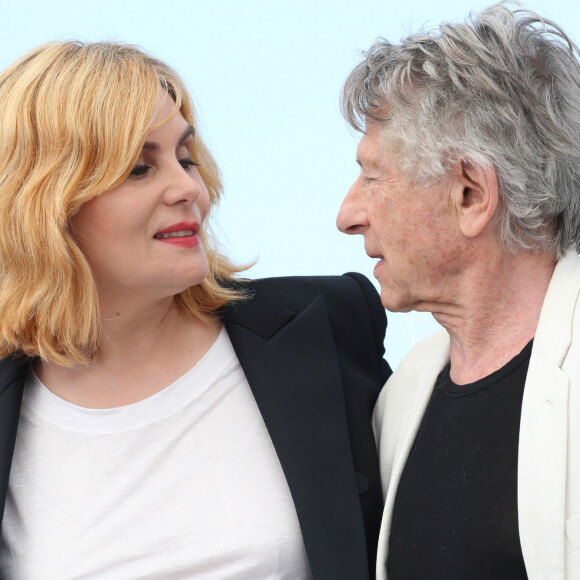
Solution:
(311, 349)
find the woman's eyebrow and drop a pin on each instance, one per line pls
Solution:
(153, 146)
(189, 132)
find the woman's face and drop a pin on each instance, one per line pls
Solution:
(142, 235)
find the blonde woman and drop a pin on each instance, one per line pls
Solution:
(160, 418)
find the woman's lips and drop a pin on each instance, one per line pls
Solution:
(182, 234)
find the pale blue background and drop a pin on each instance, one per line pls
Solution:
(266, 76)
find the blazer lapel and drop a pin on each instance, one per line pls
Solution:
(395, 444)
(542, 469)
(12, 374)
(291, 365)
(544, 429)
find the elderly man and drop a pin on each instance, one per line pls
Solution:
(469, 198)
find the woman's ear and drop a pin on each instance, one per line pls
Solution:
(476, 196)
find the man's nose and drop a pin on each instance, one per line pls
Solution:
(352, 217)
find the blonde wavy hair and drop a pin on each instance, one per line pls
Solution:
(73, 120)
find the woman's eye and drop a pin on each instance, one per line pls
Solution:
(188, 164)
(139, 170)
(142, 169)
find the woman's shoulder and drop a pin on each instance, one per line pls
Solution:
(348, 290)
(13, 368)
(349, 303)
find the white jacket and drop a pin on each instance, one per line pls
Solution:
(549, 444)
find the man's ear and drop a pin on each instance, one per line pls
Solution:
(476, 196)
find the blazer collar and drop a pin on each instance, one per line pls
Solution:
(291, 364)
(261, 312)
(554, 332)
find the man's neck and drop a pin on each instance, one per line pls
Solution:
(498, 312)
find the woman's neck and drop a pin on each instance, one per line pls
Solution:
(142, 350)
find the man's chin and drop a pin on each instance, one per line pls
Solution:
(394, 302)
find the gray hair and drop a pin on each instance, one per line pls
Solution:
(501, 90)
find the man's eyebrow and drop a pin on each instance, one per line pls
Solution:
(153, 146)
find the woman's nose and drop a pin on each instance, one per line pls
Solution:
(183, 187)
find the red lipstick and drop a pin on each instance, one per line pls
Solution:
(182, 234)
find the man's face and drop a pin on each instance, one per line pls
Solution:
(412, 231)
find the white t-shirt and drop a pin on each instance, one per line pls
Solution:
(184, 484)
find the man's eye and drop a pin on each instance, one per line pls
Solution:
(139, 170)
(187, 164)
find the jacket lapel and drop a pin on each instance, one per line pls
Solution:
(400, 409)
(544, 428)
(12, 374)
(291, 365)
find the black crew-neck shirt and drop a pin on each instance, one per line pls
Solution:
(455, 515)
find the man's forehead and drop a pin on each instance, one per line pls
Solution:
(371, 149)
